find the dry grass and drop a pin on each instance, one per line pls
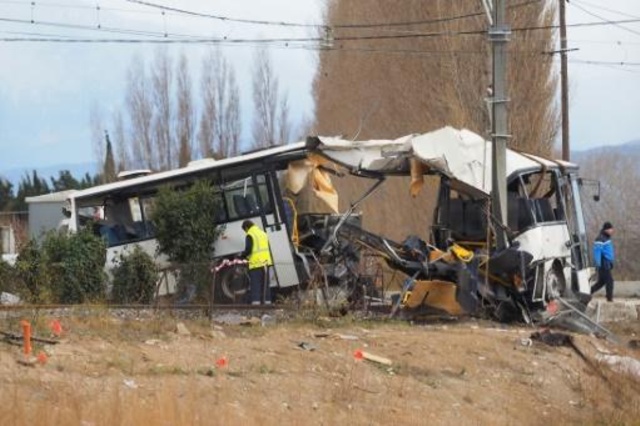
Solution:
(465, 373)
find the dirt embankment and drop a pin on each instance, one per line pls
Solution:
(114, 372)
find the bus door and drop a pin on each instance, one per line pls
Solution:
(273, 222)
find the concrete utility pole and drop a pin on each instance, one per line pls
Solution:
(499, 34)
(566, 153)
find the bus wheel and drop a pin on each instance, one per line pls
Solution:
(232, 285)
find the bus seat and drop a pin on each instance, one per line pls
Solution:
(109, 234)
(120, 232)
(241, 205)
(466, 220)
(456, 217)
(525, 218)
(544, 211)
(475, 220)
(139, 229)
(252, 203)
(518, 212)
(513, 210)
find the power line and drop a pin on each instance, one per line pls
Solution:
(277, 43)
(164, 9)
(179, 11)
(76, 6)
(303, 25)
(605, 19)
(616, 42)
(58, 39)
(609, 66)
(102, 28)
(628, 15)
(26, 33)
(224, 18)
(476, 32)
(617, 63)
(196, 39)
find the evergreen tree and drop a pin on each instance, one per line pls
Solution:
(88, 181)
(6, 195)
(65, 181)
(31, 185)
(109, 167)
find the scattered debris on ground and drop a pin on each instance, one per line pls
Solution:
(326, 372)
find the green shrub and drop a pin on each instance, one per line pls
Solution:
(32, 274)
(186, 230)
(76, 263)
(134, 278)
(9, 279)
(185, 222)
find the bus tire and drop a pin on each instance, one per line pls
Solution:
(232, 285)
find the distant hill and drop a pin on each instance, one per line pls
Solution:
(78, 170)
(631, 148)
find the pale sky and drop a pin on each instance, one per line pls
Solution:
(47, 89)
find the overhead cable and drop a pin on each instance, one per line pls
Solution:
(195, 39)
(595, 15)
(628, 15)
(306, 25)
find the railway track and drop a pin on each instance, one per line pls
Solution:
(218, 313)
(190, 311)
(186, 307)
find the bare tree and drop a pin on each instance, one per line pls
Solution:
(284, 125)
(140, 112)
(422, 83)
(397, 86)
(227, 117)
(619, 176)
(265, 100)
(206, 135)
(220, 126)
(97, 133)
(161, 76)
(123, 160)
(185, 113)
(232, 123)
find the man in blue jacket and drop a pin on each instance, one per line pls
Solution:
(604, 256)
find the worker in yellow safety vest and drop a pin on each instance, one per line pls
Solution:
(257, 252)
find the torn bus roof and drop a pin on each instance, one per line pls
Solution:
(461, 155)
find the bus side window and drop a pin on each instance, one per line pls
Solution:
(241, 203)
(146, 226)
(244, 199)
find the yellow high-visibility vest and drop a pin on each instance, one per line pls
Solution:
(260, 255)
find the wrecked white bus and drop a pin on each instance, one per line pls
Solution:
(457, 270)
(460, 269)
(248, 188)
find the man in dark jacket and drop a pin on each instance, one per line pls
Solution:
(604, 257)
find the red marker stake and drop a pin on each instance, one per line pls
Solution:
(26, 337)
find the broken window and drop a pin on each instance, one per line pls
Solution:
(459, 217)
(533, 198)
(245, 200)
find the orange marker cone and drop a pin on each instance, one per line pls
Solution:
(358, 355)
(56, 327)
(222, 362)
(42, 358)
(26, 337)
